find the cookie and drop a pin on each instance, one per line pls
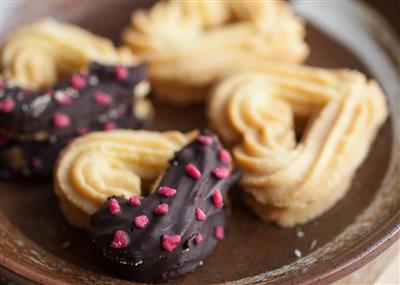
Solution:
(170, 232)
(41, 54)
(299, 134)
(116, 163)
(190, 45)
(36, 125)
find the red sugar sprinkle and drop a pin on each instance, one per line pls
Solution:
(141, 221)
(200, 215)
(109, 126)
(219, 232)
(221, 172)
(102, 98)
(61, 120)
(134, 201)
(205, 140)
(224, 156)
(169, 243)
(166, 191)
(161, 209)
(82, 131)
(7, 105)
(37, 163)
(64, 100)
(113, 206)
(2, 83)
(121, 72)
(217, 199)
(78, 82)
(121, 239)
(198, 238)
(192, 170)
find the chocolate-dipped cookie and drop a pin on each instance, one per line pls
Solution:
(36, 125)
(170, 232)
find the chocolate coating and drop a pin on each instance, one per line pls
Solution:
(29, 134)
(144, 258)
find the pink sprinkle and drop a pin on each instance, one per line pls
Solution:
(109, 126)
(78, 82)
(64, 100)
(169, 243)
(219, 232)
(134, 201)
(141, 221)
(37, 163)
(61, 120)
(192, 170)
(102, 98)
(166, 191)
(121, 239)
(198, 238)
(200, 215)
(82, 131)
(2, 83)
(161, 209)
(121, 72)
(221, 172)
(224, 156)
(205, 140)
(7, 105)
(217, 198)
(114, 207)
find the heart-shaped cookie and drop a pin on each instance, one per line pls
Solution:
(36, 125)
(299, 133)
(170, 232)
(189, 45)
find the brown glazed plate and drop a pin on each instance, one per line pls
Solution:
(37, 246)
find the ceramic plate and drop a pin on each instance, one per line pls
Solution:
(37, 246)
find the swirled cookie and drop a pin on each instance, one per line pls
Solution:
(170, 232)
(116, 163)
(262, 113)
(41, 54)
(191, 44)
(36, 125)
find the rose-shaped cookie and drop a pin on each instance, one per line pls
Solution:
(189, 45)
(299, 134)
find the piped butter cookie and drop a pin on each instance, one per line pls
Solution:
(170, 232)
(117, 163)
(189, 45)
(41, 54)
(36, 125)
(298, 133)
